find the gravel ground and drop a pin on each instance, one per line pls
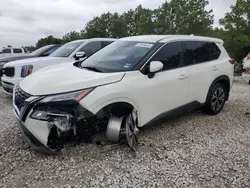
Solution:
(194, 150)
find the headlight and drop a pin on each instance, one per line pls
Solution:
(58, 105)
(2, 63)
(77, 96)
(26, 70)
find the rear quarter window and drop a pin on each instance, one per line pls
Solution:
(200, 52)
(17, 50)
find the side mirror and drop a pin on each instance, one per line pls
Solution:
(154, 67)
(80, 55)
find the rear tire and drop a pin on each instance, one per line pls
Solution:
(216, 99)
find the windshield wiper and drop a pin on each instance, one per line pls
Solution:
(92, 69)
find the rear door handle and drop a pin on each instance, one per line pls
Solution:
(183, 76)
(214, 68)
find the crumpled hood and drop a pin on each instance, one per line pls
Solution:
(65, 78)
(33, 61)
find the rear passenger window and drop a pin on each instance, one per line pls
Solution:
(199, 52)
(17, 50)
(169, 55)
(6, 51)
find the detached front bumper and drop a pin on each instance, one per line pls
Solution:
(33, 142)
(35, 133)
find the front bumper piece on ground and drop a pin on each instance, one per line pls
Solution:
(33, 142)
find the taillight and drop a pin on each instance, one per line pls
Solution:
(232, 61)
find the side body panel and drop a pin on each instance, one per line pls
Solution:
(150, 96)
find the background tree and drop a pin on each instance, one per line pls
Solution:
(29, 48)
(184, 17)
(48, 40)
(73, 35)
(172, 17)
(237, 29)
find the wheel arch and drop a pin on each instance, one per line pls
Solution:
(117, 107)
(221, 79)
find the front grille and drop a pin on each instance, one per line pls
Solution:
(20, 97)
(9, 71)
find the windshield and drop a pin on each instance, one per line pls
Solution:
(40, 50)
(118, 56)
(66, 49)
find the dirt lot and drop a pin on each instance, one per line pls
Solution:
(195, 150)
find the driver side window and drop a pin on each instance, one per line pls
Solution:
(91, 48)
(169, 55)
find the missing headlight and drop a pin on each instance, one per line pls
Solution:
(61, 121)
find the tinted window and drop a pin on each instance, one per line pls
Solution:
(17, 50)
(6, 51)
(198, 52)
(106, 43)
(91, 48)
(50, 51)
(169, 55)
(39, 51)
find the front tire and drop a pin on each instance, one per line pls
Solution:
(216, 99)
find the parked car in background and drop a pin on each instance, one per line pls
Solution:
(10, 51)
(41, 52)
(14, 72)
(133, 82)
(246, 63)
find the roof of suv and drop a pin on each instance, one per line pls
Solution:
(165, 38)
(94, 39)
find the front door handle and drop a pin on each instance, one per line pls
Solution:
(214, 68)
(183, 76)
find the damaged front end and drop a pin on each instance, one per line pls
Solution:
(56, 120)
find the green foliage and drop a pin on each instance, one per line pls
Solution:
(237, 29)
(172, 17)
(184, 17)
(29, 48)
(48, 40)
(73, 35)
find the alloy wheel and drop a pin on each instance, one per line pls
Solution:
(218, 99)
(132, 131)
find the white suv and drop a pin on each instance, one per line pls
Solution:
(131, 83)
(15, 71)
(6, 52)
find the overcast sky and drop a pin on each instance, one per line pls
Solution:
(23, 22)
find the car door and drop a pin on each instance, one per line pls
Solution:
(202, 67)
(167, 90)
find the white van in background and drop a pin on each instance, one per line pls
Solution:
(10, 51)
